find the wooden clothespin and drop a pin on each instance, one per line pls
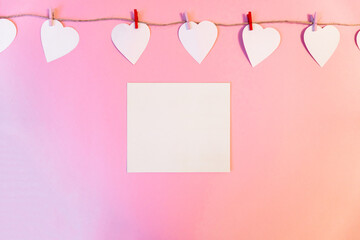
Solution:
(51, 17)
(136, 19)
(250, 21)
(314, 20)
(188, 27)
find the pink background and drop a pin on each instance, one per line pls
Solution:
(295, 130)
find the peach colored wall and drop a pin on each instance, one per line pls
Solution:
(295, 130)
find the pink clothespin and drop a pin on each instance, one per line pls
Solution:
(51, 17)
(314, 22)
(250, 21)
(188, 27)
(136, 19)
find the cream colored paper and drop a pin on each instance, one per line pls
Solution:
(178, 127)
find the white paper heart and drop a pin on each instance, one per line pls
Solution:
(129, 41)
(58, 40)
(199, 39)
(260, 43)
(7, 33)
(321, 43)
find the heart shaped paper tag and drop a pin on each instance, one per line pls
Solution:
(321, 43)
(199, 39)
(7, 33)
(58, 40)
(260, 43)
(129, 41)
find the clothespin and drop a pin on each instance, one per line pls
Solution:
(51, 17)
(314, 20)
(188, 27)
(250, 21)
(136, 19)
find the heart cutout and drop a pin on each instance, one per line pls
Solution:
(199, 39)
(7, 33)
(58, 40)
(260, 43)
(321, 43)
(129, 41)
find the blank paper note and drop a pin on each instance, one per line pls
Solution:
(178, 127)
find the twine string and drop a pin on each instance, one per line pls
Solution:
(175, 23)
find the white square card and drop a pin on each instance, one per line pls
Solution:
(178, 127)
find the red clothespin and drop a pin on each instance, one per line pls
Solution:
(188, 27)
(136, 18)
(314, 20)
(250, 21)
(51, 17)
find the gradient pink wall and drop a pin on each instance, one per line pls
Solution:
(295, 130)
